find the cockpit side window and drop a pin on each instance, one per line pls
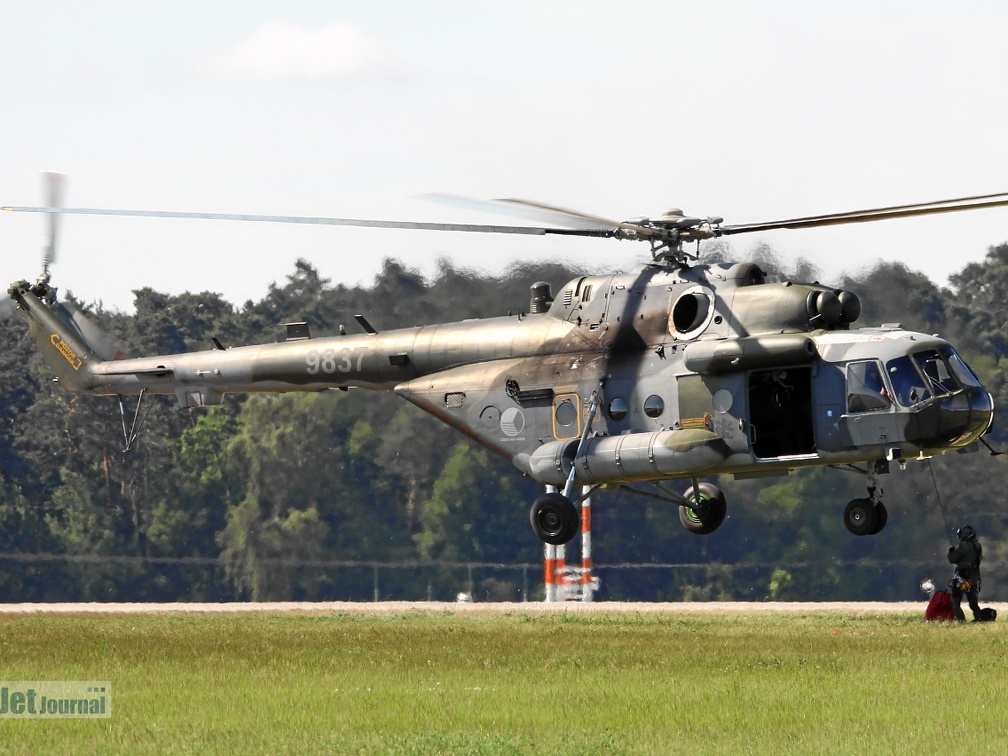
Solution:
(866, 388)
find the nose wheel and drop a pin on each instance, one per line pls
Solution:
(554, 518)
(868, 516)
(865, 517)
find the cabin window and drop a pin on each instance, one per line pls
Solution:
(618, 409)
(654, 406)
(566, 415)
(566, 422)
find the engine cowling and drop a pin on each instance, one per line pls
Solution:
(750, 352)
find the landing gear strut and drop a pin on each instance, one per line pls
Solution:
(868, 516)
(554, 517)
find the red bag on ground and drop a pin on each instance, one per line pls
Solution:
(939, 608)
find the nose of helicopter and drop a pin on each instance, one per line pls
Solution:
(965, 416)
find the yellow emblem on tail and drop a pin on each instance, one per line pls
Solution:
(68, 354)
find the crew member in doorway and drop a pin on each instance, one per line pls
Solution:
(966, 557)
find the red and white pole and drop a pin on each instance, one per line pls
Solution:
(549, 572)
(549, 565)
(587, 586)
(560, 587)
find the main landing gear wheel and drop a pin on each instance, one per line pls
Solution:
(862, 517)
(554, 518)
(707, 512)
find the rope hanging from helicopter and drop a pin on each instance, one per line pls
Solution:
(941, 504)
(133, 432)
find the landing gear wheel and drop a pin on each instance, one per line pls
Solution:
(707, 512)
(861, 517)
(881, 518)
(554, 518)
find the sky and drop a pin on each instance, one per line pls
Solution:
(747, 111)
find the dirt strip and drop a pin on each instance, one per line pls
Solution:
(400, 607)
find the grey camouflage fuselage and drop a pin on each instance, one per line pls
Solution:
(697, 370)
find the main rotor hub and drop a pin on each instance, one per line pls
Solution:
(674, 229)
(671, 214)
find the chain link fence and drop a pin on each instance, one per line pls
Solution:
(26, 577)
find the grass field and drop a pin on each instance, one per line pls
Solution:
(421, 683)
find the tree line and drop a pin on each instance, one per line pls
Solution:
(310, 496)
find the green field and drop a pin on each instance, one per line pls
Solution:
(516, 683)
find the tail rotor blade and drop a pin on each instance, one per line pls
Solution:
(54, 183)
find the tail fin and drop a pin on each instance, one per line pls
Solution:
(61, 343)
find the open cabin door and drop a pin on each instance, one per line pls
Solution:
(780, 412)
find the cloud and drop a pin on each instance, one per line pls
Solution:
(279, 51)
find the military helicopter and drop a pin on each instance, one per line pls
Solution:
(674, 371)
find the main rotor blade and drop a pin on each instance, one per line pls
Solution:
(878, 214)
(583, 224)
(317, 221)
(523, 209)
(577, 218)
(91, 333)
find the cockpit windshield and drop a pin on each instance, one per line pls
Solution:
(928, 373)
(937, 372)
(960, 369)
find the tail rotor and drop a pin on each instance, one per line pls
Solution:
(54, 183)
(81, 324)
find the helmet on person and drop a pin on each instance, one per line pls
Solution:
(966, 533)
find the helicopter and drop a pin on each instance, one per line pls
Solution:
(675, 371)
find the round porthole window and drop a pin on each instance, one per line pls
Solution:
(566, 414)
(654, 405)
(618, 409)
(722, 400)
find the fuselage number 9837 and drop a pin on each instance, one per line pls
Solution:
(334, 360)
